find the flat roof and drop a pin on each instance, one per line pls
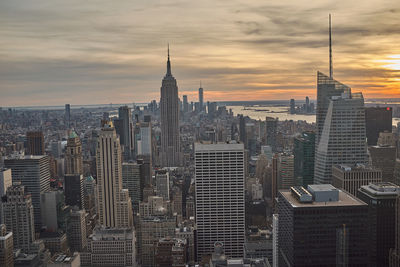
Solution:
(322, 187)
(217, 147)
(344, 200)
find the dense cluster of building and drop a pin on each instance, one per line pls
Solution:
(191, 184)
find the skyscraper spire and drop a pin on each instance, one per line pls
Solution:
(330, 48)
(168, 65)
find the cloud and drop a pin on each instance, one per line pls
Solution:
(108, 51)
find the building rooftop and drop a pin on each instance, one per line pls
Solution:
(355, 168)
(218, 147)
(109, 234)
(381, 189)
(344, 200)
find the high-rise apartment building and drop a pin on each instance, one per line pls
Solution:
(67, 115)
(185, 104)
(76, 230)
(34, 174)
(6, 247)
(219, 183)
(35, 143)
(381, 200)
(18, 216)
(114, 203)
(162, 184)
(384, 158)
(110, 247)
(351, 177)
(133, 180)
(292, 106)
(286, 171)
(342, 138)
(144, 144)
(321, 226)
(73, 179)
(171, 155)
(73, 155)
(377, 120)
(271, 125)
(304, 158)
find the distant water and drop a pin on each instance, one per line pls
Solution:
(281, 112)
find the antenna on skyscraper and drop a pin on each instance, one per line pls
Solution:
(330, 48)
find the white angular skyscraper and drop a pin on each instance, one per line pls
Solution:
(115, 207)
(343, 137)
(171, 155)
(220, 204)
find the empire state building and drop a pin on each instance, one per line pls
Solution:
(171, 155)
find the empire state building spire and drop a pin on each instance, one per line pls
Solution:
(168, 65)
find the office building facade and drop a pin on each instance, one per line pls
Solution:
(219, 183)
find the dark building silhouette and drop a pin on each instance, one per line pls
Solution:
(377, 120)
(321, 226)
(381, 200)
(304, 157)
(35, 143)
(271, 125)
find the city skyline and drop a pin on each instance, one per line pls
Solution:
(86, 53)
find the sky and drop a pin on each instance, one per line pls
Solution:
(98, 52)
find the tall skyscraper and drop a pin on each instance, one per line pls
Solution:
(201, 98)
(114, 203)
(73, 180)
(321, 226)
(34, 174)
(340, 125)
(124, 128)
(6, 247)
(304, 158)
(377, 120)
(18, 216)
(381, 200)
(35, 143)
(67, 115)
(219, 183)
(185, 104)
(171, 155)
(271, 125)
(73, 155)
(343, 138)
(292, 106)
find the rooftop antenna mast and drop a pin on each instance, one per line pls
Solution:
(330, 48)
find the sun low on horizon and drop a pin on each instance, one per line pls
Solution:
(57, 52)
